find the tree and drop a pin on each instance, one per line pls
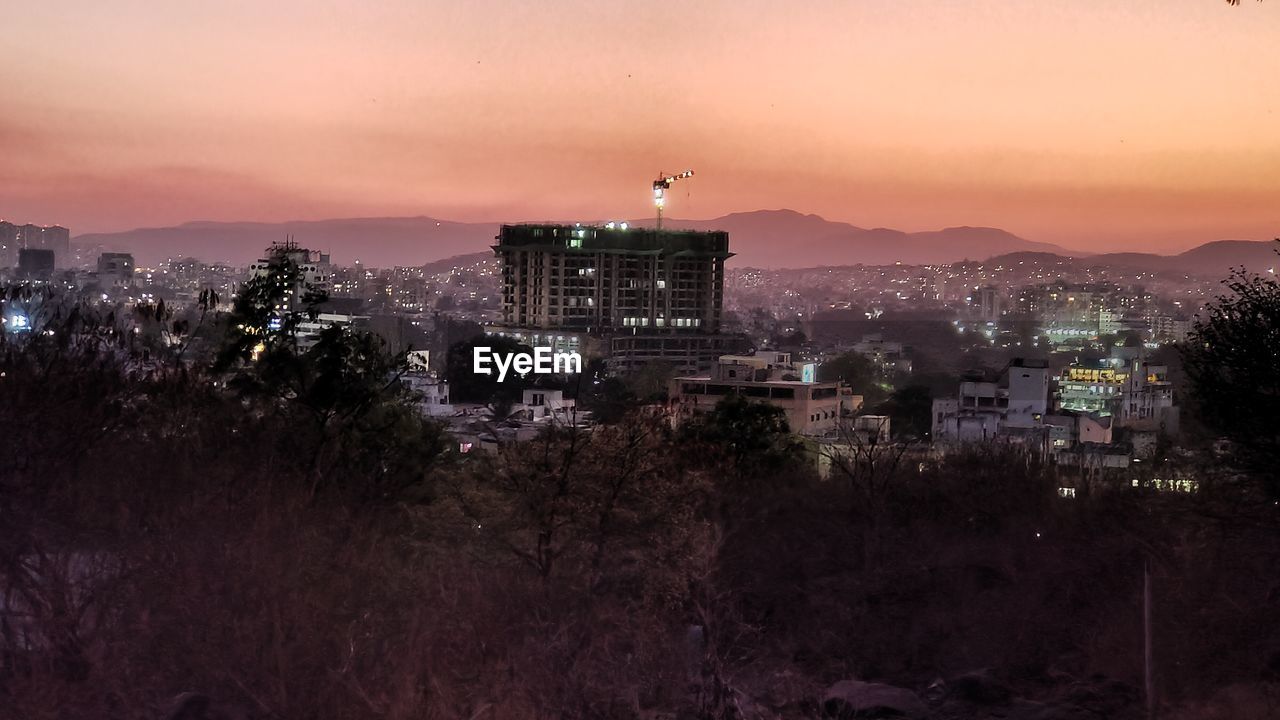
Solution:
(852, 368)
(608, 399)
(267, 312)
(1230, 357)
(753, 436)
(465, 385)
(871, 470)
(345, 398)
(342, 395)
(649, 382)
(910, 411)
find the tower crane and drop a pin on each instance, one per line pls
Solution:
(660, 187)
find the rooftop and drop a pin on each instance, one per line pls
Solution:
(616, 239)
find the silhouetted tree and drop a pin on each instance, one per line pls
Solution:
(1230, 357)
(853, 368)
(910, 411)
(267, 311)
(752, 437)
(465, 385)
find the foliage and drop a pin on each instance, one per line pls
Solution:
(1230, 357)
(649, 382)
(752, 437)
(609, 399)
(267, 311)
(291, 544)
(467, 386)
(857, 371)
(910, 411)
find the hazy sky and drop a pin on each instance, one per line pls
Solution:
(1148, 124)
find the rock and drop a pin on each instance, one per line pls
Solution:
(857, 699)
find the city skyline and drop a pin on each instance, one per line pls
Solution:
(1095, 125)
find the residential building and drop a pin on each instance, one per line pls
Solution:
(431, 392)
(116, 268)
(985, 303)
(10, 243)
(888, 357)
(543, 404)
(987, 407)
(53, 238)
(1165, 328)
(811, 407)
(314, 268)
(1125, 385)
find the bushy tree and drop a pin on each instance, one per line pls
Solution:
(752, 437)
(267, 311)
(465, 385)
(910, 411)
(1230, 357)
(856, 370)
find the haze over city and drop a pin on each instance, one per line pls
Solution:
(1095, 125)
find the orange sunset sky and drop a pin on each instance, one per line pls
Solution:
(1134, 124)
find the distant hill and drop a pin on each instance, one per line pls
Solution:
(765, 238)
(1254, 255)
(788, 239)
(1215, 259)
(457, 261)
(376, 242)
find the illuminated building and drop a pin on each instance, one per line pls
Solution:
(312, 286)
(1126, 386)
(632, 295)
(313, 266)
(1093, 386)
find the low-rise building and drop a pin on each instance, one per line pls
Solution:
(811, 407)
(987, 407)
(1139, 394)
(543, 404)
(431, 391)
(889, 357)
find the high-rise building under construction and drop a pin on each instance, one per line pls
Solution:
(633, 295)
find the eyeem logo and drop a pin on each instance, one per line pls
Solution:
(542, 362)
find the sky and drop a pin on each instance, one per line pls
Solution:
(1148, 125)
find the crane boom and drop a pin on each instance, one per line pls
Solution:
(660, 187)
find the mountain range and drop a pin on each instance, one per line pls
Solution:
(763, 238)
(1215, 259)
